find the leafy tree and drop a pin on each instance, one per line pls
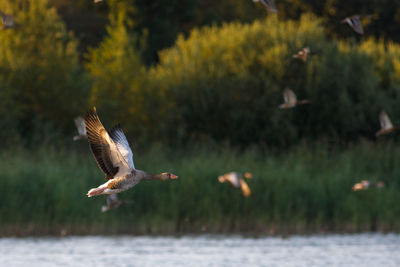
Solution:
(39, 67)
(119, 84)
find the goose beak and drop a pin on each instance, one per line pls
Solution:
(221, 179)
(173, 176)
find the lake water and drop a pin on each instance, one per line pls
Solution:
(206, 250)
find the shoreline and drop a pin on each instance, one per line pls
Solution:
(36, 230)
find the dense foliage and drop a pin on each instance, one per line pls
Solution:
(40, 74)
(164, 20)
(227, 83)
(222, 83)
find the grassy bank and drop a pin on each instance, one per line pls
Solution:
(307, 189)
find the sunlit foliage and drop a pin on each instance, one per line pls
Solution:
(119, 85)
(227, 83)
(40, 68)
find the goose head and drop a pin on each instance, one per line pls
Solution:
(221, 179)
(168, 176)
(248, 175)
(380, 184)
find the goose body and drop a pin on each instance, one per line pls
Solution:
(290, 99)
(365, 184)
(81, 127)
(114, 157)
(269, 4)
(112, 202)
(355, 23)
(304, 54)
(237, 180)
(386, 124)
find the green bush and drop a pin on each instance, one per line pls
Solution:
(226, 83)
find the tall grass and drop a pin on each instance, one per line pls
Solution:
(307, 189)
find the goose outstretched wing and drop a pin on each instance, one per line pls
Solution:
(119, 138)
(233, 178)
(80, 125)
(269, 4)
(355, 23)
(105, 151)
(289, 96)
(385, 120)
(245, 188)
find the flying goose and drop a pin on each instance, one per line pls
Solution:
(81, 127)
(236, 179)
(7, 20)
(304, 53)
(269, 4)
(355, 23)
(97, 1)
(290, 99)
(386, 124)
(115, 158)
(112, 202)
(364, 184)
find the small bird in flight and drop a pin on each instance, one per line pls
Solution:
(355, 23)
(290, 99)
(236, 179)
(114, 157)
(364, 184)
(81, 127)
(112, 202)
(386, 124)
(304, 53)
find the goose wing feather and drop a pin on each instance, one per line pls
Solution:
(245, 188)
(385, 120)
(80, 125)
(289, 96)
(233, 178)
(104, 150)
(119, 138)
(270, 5)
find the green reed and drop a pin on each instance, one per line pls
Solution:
(307, 189)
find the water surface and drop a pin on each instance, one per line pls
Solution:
(207, 250)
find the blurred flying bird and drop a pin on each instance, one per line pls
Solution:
(290, 99)
(97, 1)
(114, 157)
(386, 124)
(355, 23)
(269, 4)
(80, 125)
(112, 202)
(7, 21)
(364, 184)
(236, 179)
(304, 53)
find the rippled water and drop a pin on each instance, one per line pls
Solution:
(321, 250)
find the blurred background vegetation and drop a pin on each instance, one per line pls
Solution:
(207, 76)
